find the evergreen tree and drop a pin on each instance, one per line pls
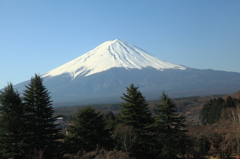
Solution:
(110, 116)
(231, 102)
(203, 145)
(110, 121)
(205, 114)
(168, 128)
(11, 124)
(88, 132)
(135, 113)
(212, 110)
(42, 132)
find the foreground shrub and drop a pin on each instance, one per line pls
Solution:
(98, 154)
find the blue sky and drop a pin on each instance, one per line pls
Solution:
(37, 36)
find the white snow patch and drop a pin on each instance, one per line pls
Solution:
(110, 54)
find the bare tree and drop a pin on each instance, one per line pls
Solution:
(126, 136)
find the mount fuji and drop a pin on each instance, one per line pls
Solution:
(111, 54)
(102, 75)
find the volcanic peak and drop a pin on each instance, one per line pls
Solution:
(111, 54)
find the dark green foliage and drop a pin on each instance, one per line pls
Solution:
(88, 131)
(11, 124)
(110, 116)
(168, 127)
(231, 102)
(135, 114)
(205, 112)
(27, 128)
(40, 127)
(203, 145)
(135, 110)
(214, 109)
(110, 121)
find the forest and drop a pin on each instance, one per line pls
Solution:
(134, 129)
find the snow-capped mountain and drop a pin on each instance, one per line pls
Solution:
(102, 75)
(112, 54)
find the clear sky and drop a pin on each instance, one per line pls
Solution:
(37, 36)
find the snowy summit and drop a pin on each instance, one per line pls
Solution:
(110, 54)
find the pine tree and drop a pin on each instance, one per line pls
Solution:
(203, 145)
(169, 131)
(88, 132)
(136, 114)
(110, 121)
(212, 110)
(11, 124)
(42, 131)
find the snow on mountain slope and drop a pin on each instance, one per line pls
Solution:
(110, 54)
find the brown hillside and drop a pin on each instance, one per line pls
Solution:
(234, 95)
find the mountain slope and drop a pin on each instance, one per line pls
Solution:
(111, 54)
(102, 75)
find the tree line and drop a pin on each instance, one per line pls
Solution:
(218, 108)
(27, 128)
(136, 130)
(27, 125)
